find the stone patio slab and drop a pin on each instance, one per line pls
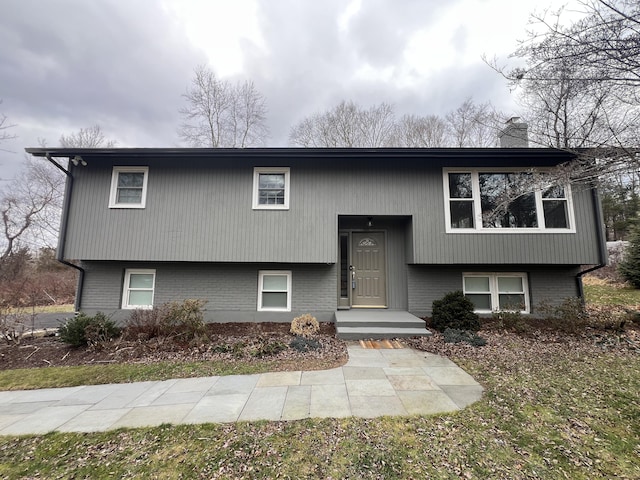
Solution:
(276, 379)
(217, 409)
(265, 403)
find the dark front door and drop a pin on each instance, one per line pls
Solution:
(369, 285)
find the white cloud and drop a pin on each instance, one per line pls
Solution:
(220, 28)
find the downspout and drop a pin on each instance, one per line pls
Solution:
(62, 237)
(602, 245)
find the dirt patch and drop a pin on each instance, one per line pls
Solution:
(231, 342)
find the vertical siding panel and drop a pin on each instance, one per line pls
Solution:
(206, 215)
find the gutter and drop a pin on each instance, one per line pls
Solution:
(602, 245)
(62, 237)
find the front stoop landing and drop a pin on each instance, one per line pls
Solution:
(356, 324)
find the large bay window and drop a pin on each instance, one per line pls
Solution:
(492, 292)
(497, 201)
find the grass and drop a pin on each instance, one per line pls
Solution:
(53, 377)
(599, 292)
(566, 414)
(67, 308)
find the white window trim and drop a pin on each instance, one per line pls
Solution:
(493, 288)
(256, 184)
(113, 194)
(477, 208)
(261, 275)
(126, 289)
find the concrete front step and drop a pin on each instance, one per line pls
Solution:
(359, 324)
(359, 333)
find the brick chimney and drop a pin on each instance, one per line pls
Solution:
(514, 134)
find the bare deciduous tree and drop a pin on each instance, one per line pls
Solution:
(474, 125)
(414, 131)
(220, 114)
(349, 125)
(4, 128)
(90, 137)
(580, 83)
(30, 208)
(31, 204)
(346, 125)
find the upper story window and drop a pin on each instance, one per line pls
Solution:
(497, 200)
(128, 187)
(271, 188)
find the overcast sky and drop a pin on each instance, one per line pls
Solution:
(123, 64)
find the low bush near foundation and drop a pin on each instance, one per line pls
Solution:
(83, 330)
(267, 347)
(453, 335)
(454, 310)
(183, 320)
(305, 325)
(570, 316)
(186, 319)
(510, 320)
(302, 344)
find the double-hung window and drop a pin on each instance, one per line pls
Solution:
(274, 291)
(491, 292)
(498, 200)
(128, 187)
(139, 287)
(271, 188)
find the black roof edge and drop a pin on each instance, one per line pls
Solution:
(305, 152)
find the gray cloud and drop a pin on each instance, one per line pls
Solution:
(70, 64)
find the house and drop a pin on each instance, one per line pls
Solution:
(265, 234)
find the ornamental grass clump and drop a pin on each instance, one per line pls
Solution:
(305, 326)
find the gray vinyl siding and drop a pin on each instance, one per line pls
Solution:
(230, 290)
(199, 214)
(547, 285)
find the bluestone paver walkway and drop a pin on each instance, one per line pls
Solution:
(372, 383)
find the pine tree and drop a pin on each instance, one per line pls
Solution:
(629, 267)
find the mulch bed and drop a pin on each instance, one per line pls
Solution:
(246, 342)
(260, 342)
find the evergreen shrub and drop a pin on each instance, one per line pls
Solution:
(454, 310)
(83, 330)
(629, 267)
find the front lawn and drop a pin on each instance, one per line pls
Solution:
(554, 407)
(601, 292)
